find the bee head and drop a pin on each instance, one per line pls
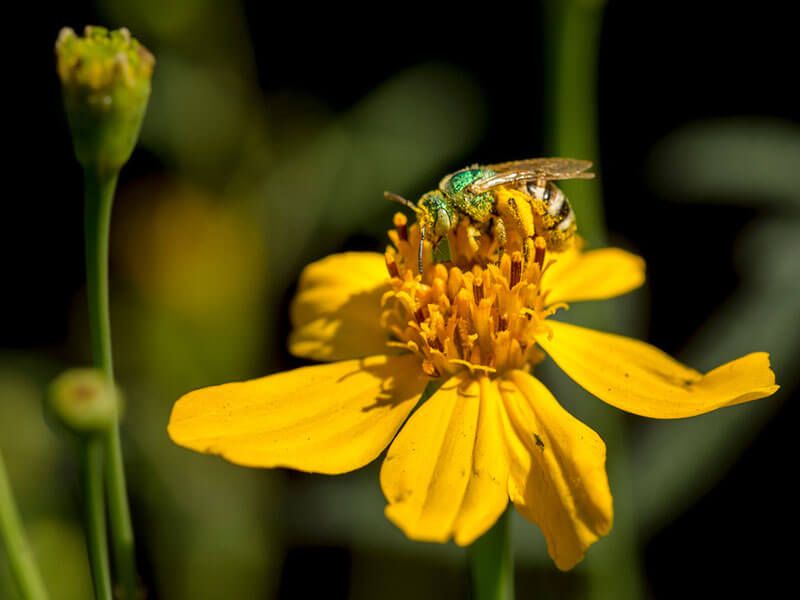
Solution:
(437, 214)
(436, 217)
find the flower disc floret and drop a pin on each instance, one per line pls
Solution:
(484, 319)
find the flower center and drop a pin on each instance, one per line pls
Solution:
(472, 311)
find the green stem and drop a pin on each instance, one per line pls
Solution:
(23, 566)
(99, 190)
(120, 517)
(95, 515)
(574, 30)
(492, 563)
(99, 198)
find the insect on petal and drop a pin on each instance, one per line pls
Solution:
(558, 478)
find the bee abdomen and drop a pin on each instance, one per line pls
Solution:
(555, 201)
(567, 218)
(558, 217)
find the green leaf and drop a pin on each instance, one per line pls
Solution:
(749, 161)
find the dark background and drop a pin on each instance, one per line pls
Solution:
(662, 65)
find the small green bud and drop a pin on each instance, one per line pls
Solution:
(84, 401)
(105, 78)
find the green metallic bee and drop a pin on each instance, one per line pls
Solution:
(470, 193)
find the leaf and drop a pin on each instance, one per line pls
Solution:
(749, 161)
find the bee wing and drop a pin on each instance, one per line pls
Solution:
(533, 169)
(553, 168)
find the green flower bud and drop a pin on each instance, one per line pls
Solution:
(84, 401)
(105, 78)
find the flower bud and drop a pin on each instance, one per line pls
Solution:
(84, 401)
(105, 78)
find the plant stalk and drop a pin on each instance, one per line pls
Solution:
(95, 515)
(20, 557)
(492, 562)
(99, 188)
(575, 26)
(572, 66)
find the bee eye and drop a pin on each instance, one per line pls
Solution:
(443, 224)
(546, 195)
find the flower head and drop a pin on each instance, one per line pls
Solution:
(491, 432)
(105, 77)
(470, 314)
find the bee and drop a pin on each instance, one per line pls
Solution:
(471, 193)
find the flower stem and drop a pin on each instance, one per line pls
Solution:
(23, 566)
(99, 187)
(492, 563)
(95, 515)
(574, 29)
(120, 517)
(99, 190)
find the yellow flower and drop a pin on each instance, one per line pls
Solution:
(492, 431)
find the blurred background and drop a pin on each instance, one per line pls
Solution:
(270, 136)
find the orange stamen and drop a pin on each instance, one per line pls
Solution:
(468, 313)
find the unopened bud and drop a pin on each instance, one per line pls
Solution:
(105, 78)
(84, 401)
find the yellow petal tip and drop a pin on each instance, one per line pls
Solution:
(398, 515)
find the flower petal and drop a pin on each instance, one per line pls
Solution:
(594, 275)
(445, 474)
(336, 312)
(487, 493)
(641, 379)
(558, 478)
(326, 418)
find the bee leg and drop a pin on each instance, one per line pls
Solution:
(499, 233)
(473, 235)
(527, 246)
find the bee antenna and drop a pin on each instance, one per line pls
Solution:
(400, 200)
(421, 248)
